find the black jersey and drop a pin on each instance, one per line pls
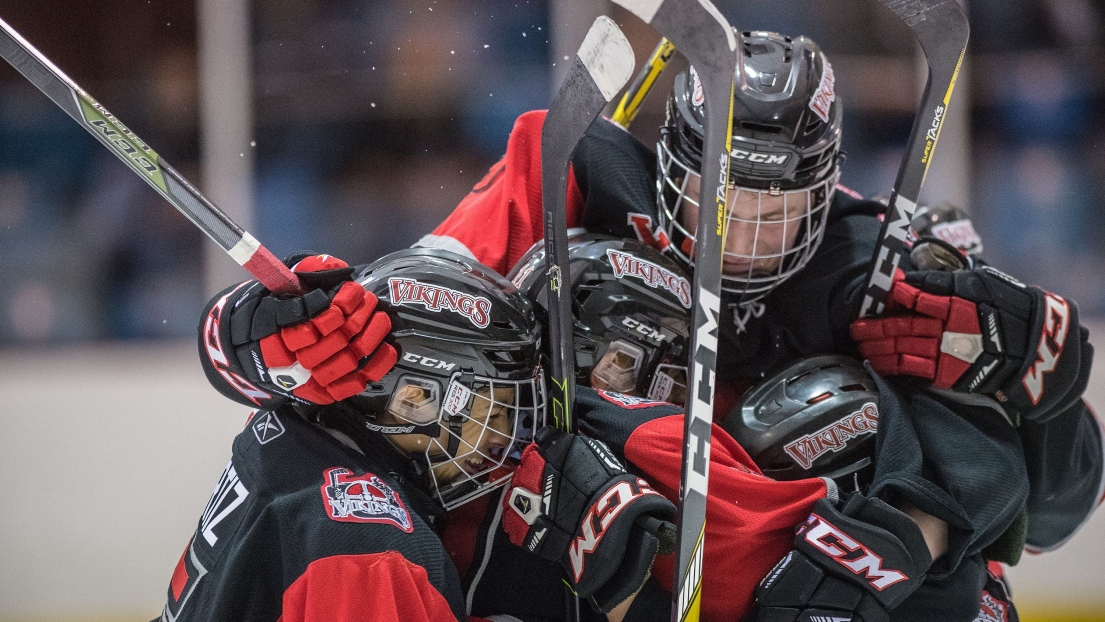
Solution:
(303, 526)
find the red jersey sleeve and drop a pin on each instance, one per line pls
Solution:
(376, 587)
(750, 518)
(501, 217)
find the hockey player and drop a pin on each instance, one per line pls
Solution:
(330, 504)
(822, 410)
(797, 252)
(745, 540)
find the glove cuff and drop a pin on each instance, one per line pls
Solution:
(631, 575)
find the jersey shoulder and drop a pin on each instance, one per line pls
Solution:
(613, 417)
(292, 496)
(616, 174)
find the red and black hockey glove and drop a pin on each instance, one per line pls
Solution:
(982, 331)
(321, 347)
(852, 564)
(571, 501)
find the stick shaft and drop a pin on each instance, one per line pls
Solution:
(147, 164)
(942, 30)
(708, 42)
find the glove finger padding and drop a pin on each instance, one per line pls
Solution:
(571, 501)
(321, 347)
(981, 331)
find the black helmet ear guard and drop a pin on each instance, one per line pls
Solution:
(631, 307)
(815, 418)
(469, 345)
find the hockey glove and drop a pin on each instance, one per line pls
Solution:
(321, 347)
(572, 501)
(854, 564)
(982, 331)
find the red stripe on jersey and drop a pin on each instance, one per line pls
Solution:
(750, 518)
(462, 531)
(375, 587)
(180, 574)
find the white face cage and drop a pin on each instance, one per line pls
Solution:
(485, 423)
(772, 248)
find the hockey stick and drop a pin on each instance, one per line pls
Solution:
(238, 243)
(601, 68)
(942, 30)
(635, 95)
(708, 42)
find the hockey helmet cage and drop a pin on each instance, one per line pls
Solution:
(463, 334)
(815, 418)
(631, 314)
(786, 144)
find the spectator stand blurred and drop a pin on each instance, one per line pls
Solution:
(373, 118)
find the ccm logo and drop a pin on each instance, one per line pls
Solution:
(1056, 322)
(760, 158)
(599, 517)
(854, 556)
(643, 329)
(426, 361)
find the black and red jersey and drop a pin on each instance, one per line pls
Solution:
(749, 527)
(302, 526)
(750, 522)
(612, 189)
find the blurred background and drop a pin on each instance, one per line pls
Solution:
(353, 127)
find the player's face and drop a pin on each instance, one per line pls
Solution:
(483, 437)
(762, 227)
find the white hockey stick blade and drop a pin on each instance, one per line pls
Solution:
(607, 55)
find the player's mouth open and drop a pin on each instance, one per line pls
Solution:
(478, 463)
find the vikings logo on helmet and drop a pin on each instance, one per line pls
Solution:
(651, 274)
(435, 298)
(835, 436)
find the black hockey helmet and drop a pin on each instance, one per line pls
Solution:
(815, 418)
(631, 310)
(948, 222)
(786, 143)
(463, 334)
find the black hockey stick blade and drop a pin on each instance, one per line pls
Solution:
(702, 34)
(238, 243)
(942, 30)
(600, 69)
(630, 103)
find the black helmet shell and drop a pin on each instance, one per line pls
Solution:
(449, 314)
(786, 115)
(621, 289)
(815, 418)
